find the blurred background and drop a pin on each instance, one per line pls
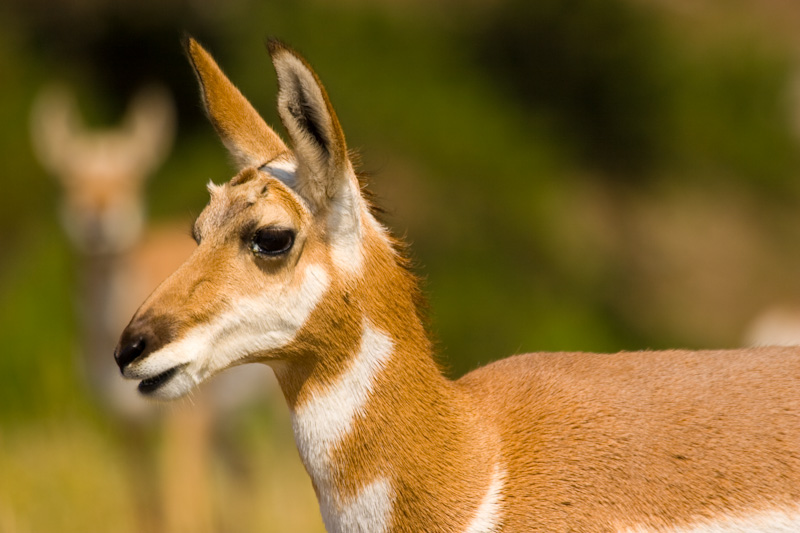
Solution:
(595, 175)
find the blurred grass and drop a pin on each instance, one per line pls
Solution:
(39, 327)
(70, 476)
(39, 488)
(542, 218)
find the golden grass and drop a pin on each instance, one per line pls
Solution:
(71, 475)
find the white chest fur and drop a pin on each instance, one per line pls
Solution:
(323, 421)
(775, 521)
(487, 517)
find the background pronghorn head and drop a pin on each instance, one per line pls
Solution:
(286, 234)
(102, 171)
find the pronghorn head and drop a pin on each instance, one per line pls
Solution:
(102, 172)
(276, 244)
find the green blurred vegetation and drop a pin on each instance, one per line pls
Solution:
(563, 169)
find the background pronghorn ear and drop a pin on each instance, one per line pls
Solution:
(63, 144)
(317, 138)
(245, 134)
(54, 126)
(150, 128)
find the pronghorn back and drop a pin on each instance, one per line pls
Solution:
(293, 270)
(648, 440)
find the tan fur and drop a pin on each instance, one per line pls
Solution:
(236, 122)
(648, 438)
(574, 442)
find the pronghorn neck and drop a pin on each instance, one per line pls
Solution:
(367, 462)
(379, 301)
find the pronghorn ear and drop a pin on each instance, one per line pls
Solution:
(323, 167)
(245, 134)
(54, 126)
(150, 127)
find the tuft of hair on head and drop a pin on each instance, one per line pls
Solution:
(212, 188)
(246, 175)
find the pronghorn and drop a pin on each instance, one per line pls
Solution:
(292, 269)
(102, 173)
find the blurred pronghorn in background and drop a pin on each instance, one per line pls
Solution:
(121, 258)
(102, 174)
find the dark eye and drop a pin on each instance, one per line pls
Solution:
(272, 241)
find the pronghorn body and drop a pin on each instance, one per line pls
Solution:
(293, 270)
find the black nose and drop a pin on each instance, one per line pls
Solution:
(145, 334)
(129, 352)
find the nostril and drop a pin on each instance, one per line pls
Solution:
(145, 334)
(128, 353)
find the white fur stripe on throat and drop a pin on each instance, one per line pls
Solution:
(487, 517)
(327, 417)
(369, 512)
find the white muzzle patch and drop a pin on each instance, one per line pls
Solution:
(252, 325)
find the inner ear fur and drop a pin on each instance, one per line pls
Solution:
(323, 167)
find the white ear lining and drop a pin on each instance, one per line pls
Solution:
(304, 111)
(323, 175)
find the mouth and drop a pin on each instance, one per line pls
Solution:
(150, 385)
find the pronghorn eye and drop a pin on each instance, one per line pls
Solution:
(272, 241)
